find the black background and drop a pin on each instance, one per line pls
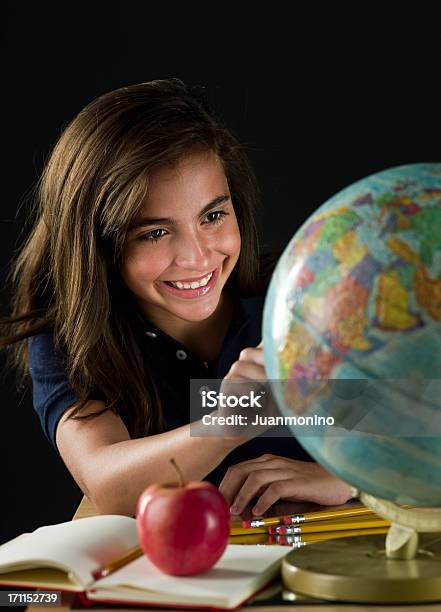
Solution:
(317, 109)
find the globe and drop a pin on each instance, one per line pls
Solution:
(352, 334)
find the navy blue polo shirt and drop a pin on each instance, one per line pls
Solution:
(174, 366)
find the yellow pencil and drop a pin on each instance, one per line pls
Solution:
(305, 538)
(310, 538)
(241, 531)
(132, 554)
(323, 526)
(258, 538)
(349, 522)
(329, 513)
(263, 522)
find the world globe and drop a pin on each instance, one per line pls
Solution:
(352, 331)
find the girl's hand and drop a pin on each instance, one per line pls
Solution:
(249, 366)
(270, 478)
(247, 376)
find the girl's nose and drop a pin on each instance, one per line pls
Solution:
(193, 253)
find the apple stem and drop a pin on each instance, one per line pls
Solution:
(180, 474)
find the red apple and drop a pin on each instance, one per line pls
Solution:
(183, 528)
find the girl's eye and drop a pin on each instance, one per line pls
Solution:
(216, 216)
(212, 218)
(153, 236)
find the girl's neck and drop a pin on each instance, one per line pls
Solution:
(204, 338)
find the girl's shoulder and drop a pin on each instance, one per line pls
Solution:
(43, 352)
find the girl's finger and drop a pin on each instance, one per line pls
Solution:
(237, 474)
(253, 484)
(234, 478)
(252, 354)
(246, 370)
(288, 488)
(269, 497)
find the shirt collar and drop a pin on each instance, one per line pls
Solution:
(247, 311)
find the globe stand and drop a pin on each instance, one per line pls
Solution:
(366, 569)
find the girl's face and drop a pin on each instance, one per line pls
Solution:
(184, 243)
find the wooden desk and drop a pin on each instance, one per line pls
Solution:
(86, 508)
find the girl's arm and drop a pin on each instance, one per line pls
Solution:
(113, 470)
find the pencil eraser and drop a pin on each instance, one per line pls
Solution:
(246, 524)
(272, 529)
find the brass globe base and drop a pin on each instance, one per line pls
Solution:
(357, 570)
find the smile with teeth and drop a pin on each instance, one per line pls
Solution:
(193, 285)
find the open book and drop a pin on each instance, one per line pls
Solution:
(66, 556)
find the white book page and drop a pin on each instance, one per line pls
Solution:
(241, 571)
(78, 547)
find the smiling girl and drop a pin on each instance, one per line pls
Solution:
(143, 271)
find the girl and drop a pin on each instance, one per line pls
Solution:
(143, 271)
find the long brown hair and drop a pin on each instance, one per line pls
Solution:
(66, 275)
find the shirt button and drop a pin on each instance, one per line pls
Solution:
(180, 354)
(151, 334)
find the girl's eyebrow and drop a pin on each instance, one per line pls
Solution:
(143, 221)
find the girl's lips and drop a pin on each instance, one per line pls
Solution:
(188, 294)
